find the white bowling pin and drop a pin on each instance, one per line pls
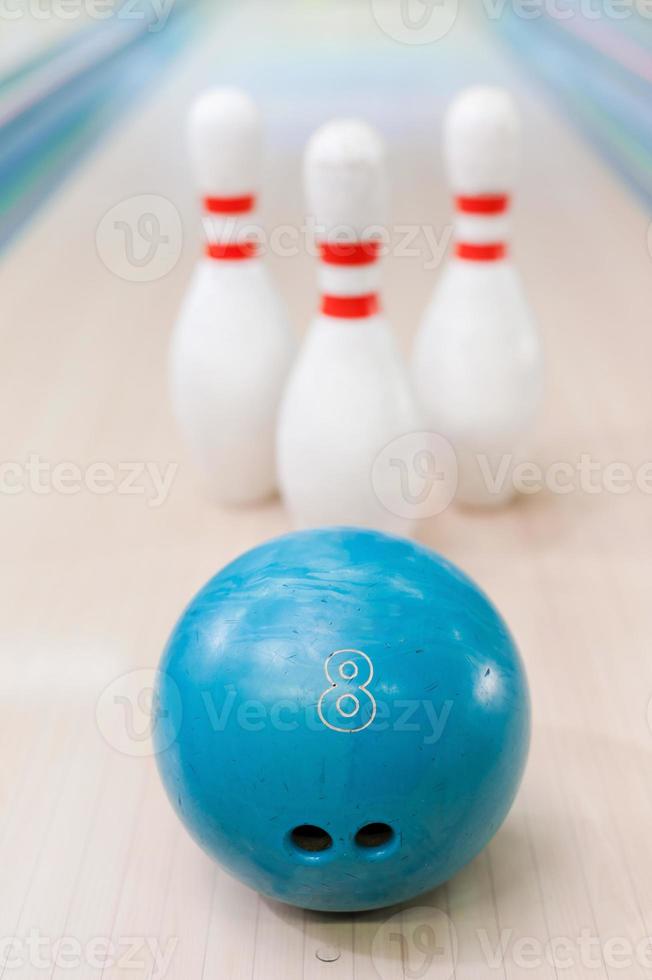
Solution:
(349, 394)
(477, 361)
(232, 346)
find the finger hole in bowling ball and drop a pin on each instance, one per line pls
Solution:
(374, 835)
(307, 837)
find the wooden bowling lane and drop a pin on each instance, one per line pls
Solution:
(93, 581)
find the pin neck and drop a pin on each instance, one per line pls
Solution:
(481, 227)
(229, 236)
(349, 278)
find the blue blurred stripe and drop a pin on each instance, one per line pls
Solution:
(81, 87)
(598, 88)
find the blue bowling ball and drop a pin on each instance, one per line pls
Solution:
(342, 719)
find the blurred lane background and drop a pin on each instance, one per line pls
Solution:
(69, 70)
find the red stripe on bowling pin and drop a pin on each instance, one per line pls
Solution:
(230, 205)
(483, 204)
(232, 251)
(489, 252)
(350, 255)
(350, 307)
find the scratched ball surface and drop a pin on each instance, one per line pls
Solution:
(342, 719)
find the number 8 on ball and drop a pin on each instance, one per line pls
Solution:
(347, 705)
